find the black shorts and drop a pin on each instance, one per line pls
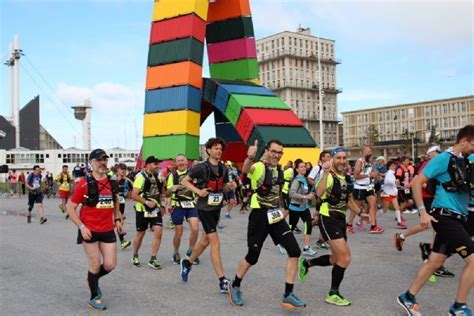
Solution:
(142, 223)
(404, 197)
(229, 195)
(378, 187)
(34, 198)
(469, 225)
(209, 220)
(305, 217)
(333, 227)
(362, 194)
(259, 228)
(451, 236)
(122, 208)
(286, 200)
(427, 202)
(105, 237)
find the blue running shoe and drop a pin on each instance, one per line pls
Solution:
(410, 306)
(95, 303)
(188, 253)
(463, 310)
(224, 285)
(235, 296)
(292, 302)
(227, 215)
(184, 270)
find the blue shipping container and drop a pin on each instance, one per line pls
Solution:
(210, 87)
(253, 90)
(219, 117)
(175, 98)
(227, 132)
(221, 99)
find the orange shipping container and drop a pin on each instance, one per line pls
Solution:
(177, 74)
(226, 9)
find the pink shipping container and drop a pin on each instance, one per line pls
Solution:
(232, 50)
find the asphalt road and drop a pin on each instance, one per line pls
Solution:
(43, 272)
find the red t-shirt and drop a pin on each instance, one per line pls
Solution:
(424, 194)
(100, 217)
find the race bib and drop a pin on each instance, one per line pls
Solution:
(407, 191)
(274, 216)
(105, 201)
(151, 214)
(187, 204)
(215, 199)
(121, 199)
(370, 187)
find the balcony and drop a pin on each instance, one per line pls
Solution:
(296, 84)
(279, 53)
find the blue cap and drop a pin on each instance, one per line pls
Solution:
(337, 150)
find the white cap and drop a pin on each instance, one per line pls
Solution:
(432, 149)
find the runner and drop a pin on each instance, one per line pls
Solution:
(64, 181)
(50, 182)
(33, 182)
(22, 182)
(389, 193)
(230, 197)
(124, 185)
(182, 201)
(99, 215)
(300, 195)
(146, 192)
(405, 176)
(77, 172)
(448, 215)
(266, 219)
(334, 189)
(208, 180)
(13, 182)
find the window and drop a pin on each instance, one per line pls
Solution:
(427, 124)
(455, 122)
(463, 107)
(445, 122)
(445, 108)
(427, 111)
(454, 108)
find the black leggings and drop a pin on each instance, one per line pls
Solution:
(305, 217)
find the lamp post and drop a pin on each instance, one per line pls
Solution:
(321, 93)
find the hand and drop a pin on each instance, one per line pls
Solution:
(374, 174)
(150, 204)
(310, 196)
(204, 192)
(426, 219)
(118, 225)
(86, 233)
(176, 187)
(252, 151)
(232, 185)
(327, 165)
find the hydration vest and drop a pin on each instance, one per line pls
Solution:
(181, 194)
(334, 196)
(215, 182)
(460, 171)
(92, 197)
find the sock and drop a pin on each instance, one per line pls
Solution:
(402, 236)
(93, 280)
(399, 217)
(121, 237)
(337, 276)
(236, 282)
(102, 271)
(322, 261)
(152, 258)
(410, 296)
(187, 263)
(458, 305)
(288, 289)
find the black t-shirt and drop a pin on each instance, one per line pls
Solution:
(77, 172)
(204, 175)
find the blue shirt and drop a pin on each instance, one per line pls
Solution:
(471, 200)
(437, 169)
(303, 183)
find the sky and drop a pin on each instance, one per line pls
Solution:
(392, 52)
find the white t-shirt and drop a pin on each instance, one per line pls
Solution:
(389, 185)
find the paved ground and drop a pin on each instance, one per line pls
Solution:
(43, 272)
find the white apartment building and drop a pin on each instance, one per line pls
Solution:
(288, 63)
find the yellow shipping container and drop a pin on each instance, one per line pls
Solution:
(172, 123)
(256, 81)
(165, 9)
(305, 153)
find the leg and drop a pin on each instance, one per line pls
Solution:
(178, 233)
(435, 261)
(200, 247)
(92, 252)
(109, 255)
(372, 210)
(155, 243)
(40, 210)
(216, 253)
(193, 235)
(137, 242)
(467, 280)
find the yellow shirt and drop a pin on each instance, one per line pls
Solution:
(64, 186)
(256, 180)
(342, 205)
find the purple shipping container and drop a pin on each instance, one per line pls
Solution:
(232, 50)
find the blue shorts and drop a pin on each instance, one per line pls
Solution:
(179, 214)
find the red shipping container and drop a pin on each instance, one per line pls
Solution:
(249, 118)
(226, 9)
(179, 27)
(232, 50)
(235, 152)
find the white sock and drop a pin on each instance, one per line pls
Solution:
(399, 217)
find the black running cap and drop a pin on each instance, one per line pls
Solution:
(98, 154)
(151, 159)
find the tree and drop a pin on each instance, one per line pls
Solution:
(406, 140)
(434, 137)
(372, 135)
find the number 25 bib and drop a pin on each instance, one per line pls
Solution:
(215, 199)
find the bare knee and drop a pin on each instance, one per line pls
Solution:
(178, 231)
(109, 266)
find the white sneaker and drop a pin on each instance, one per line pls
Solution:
(309, 251)
(282, 250)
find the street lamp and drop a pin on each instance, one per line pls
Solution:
(321, 93)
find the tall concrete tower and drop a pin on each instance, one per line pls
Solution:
(13, 62)
(83, 113)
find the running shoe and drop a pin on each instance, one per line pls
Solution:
(442, 272)
(155, 264)
(297, 230)
(176, 259)
(410, 306)
(28, 219)
(227, 215)
(235, 296)
(125, 243)
(377, 230)
(220, 225)
(43, 220)
(170, 224)
(462, 310)
(282, 250)
(61, 208)
(184, 270)
(337, 299)
(321, 244)
(136, 261)
(224, 285)
(309, 251)
(403, 219)
(96, 303)
(360, 226)
(350, 229)
(400, 225)
(398, 241)
(188, 253)
(292, 302)
(302, 270)
(432, 279)
(425, 249)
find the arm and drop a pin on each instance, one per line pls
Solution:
(187, 183)
(294, 189)
(321, 189)
(251, 152)
(358, 169)
(425, 218)
(71, 211)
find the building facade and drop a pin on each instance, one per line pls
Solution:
(288, 63)
(398, 124)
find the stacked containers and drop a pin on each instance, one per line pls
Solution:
(174, 79)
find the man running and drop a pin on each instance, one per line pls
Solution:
(266, 219)
(77, 172)
(208, 180)
(405, 175)
(146, 192)
(123, 185)
(64, 181)
(183, 205)
(35, 196)
(99, 216)
(448, 215)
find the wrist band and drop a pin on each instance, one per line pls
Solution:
(420, 208)
(81, 227)
(117, 220)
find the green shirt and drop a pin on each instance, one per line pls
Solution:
(342, 205)
(139, 183)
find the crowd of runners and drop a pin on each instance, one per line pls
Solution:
(332, 198)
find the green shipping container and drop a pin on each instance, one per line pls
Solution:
(167, 147)
(229, 29)
(239, 101)
(289, 136)
(175, 51)
(242, 69)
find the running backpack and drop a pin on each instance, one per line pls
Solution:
(334, 196)
(268, 182)
(92, 197)
(213, 181)
(461, 174)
